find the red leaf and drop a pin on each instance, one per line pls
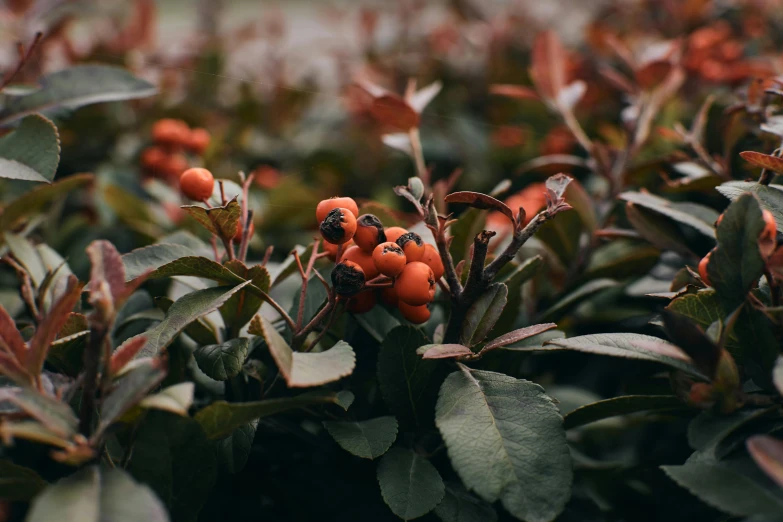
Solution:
(518, 335)
(126, 353)
(393, 111)
(51, 325)
(446, 351)
(480, 201)
(763, 160)
(10, 339)
(517, 92)
(768, 454)
(548, 67)
(653, 73)
(106, 266)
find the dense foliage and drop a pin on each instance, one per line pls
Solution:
(550, 287)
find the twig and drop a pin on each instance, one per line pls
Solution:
(24, 57)
(92, 361)
(267, 255)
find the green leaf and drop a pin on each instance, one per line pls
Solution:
(460, 506)
(708, 430)
(221, 221)
(483, 314)
(40, 199)
(514, 281)
(221, 418)
(407, 382)
(305, 369)
(378, 322)
(629, 346)
(518, 335)
(470, 223)
(366, 439)
(234, 450)
(27, 256)
(443, 351)
(562, 236)
(736, 265)
(240, 309)
(31, 152)
(658, 230)
(506, 441)
(410, 485)
(684, 215)
(703, 307)
(184, 311)
(173, 457)
(130, 390)
(222, 361)
(18, 483)
(724, 488)
(74, 87)
(151, 258)
(621, 259)
(771, 196)
(620, 406)
(177, 398)
(586, 291)
(57, 416)
(201, 330)
(92, 495)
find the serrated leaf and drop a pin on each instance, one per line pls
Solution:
(629, 346)
(771, 196)
(671, 210)
(221, 418)
(724, 488)
(460, 506)
(506, 441)
(233, 451)
(305, 369)
(18, 483)
(31, 152)
(221, 221)
(483, 314)
(240, 309)
(406, 381)
(616, 406)
(366, 439)
(173, 457)
(222, 361)
(38, 199)
(151, 258)
(74, 87)
(410, 485)
(736, 265)
(184, 311)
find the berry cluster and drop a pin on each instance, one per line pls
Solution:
(167, 158)
(376, 262)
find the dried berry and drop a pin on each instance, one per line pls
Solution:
(369, 232)
(339, 226)
(347, 278)
(413, 246)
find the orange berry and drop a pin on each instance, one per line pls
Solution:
(198, 140)
(197, 183)
(416, 284)
(339, 226)
(412, 245)
(414, 314)
(431, 258)
(153, 158)
(266, 177)
(768, 236)
(362, 302)
(361, 258)
(393, 233)
(331, 249)
(389, 296)
(327, 205)
(369, 232)
(347, 279)
(170, 132)
(389, 259)
(703, 269)
(251, 229)
(174, 165)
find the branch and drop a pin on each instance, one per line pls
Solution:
(476, 279)
(520, 238)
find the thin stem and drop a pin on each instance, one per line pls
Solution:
(267, 255)
(213, 241)
(24, 57)
(476, 281)
(326, 328)
(418, 156)
(274, 304)
(92, 361)
(517, 242)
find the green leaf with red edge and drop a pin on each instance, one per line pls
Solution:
(221, 221)
(764, 161)
(305, 369)
(675, 211)
(443, 351)
(518, 335)
(39, 199)
(736, 265)
(31, 152)
(126, 353)
(480, 201)
(51, 325)
(768, 454)
(57, 416)
(771, 196)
